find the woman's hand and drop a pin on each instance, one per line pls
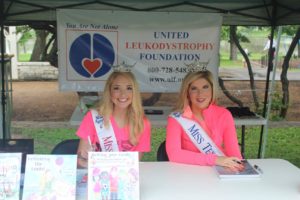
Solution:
(82, 153)
(140, 155)
(233, 163)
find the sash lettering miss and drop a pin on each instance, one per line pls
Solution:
(197, 135)
(106, 135)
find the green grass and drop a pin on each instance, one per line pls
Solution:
(45, 139)
(255, 56)
(281, 142)
(226, 63)
(24, 57)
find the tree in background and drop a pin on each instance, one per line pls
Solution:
(227, 33)
(39, 45)
(26, 34)
(285, 67)
(290, 31)
(235, 38)
(42, 47)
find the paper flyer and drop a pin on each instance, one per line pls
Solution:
(10, 174)
(113, 175)
(50, 177)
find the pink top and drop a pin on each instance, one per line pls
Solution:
(87, 128)
(219, 125)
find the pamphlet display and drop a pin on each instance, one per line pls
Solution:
(113, 175)
(50, 177)
(248, 172)
(10, 175)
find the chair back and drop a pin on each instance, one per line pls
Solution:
(162, 153)
(66, 147)
(25, 146)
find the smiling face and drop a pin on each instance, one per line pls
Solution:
(121, 92)
(200, 94)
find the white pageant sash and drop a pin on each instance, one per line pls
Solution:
(106, 136)
(197, 135)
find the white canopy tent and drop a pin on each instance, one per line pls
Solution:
(235, 12)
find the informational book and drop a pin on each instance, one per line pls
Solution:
(10, 175)
(113, 175)
(50, 177)
(248, 172)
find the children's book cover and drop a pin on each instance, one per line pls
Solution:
(49, 177)
(10, 175)
(113, 175)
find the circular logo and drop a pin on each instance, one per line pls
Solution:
(91, 55)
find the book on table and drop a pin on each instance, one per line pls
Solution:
(113, 175)
(10, 175)
(50, 177)
(248, 171)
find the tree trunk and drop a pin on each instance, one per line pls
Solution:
(52, 56)
(231, 97)
(250, 72)
(283, 76)
(298, 50)
(233, 48)
(39, 45)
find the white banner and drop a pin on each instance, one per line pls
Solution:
(160, 47)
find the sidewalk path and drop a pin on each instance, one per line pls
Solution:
(259, 74)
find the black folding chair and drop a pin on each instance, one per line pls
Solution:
(25, 146)
(162, 153)
(66, 147)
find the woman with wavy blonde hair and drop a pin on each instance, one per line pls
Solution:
(184, 100)
(201, 132)
(119, 123)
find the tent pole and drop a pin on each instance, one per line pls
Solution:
(270, 67)
(270, 93)
(2, 70)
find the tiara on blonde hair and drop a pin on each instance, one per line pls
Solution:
(123, 67)
(197, 66)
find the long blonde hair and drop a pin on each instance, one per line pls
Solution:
(184, 101)
(135, 112)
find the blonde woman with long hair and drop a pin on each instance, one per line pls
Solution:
(119, 123)
(200, 132)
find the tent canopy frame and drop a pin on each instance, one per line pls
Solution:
(235, 12)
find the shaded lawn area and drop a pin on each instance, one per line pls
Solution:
(282, 142)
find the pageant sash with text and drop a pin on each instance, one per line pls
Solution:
(106, 135)
(197, 135)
